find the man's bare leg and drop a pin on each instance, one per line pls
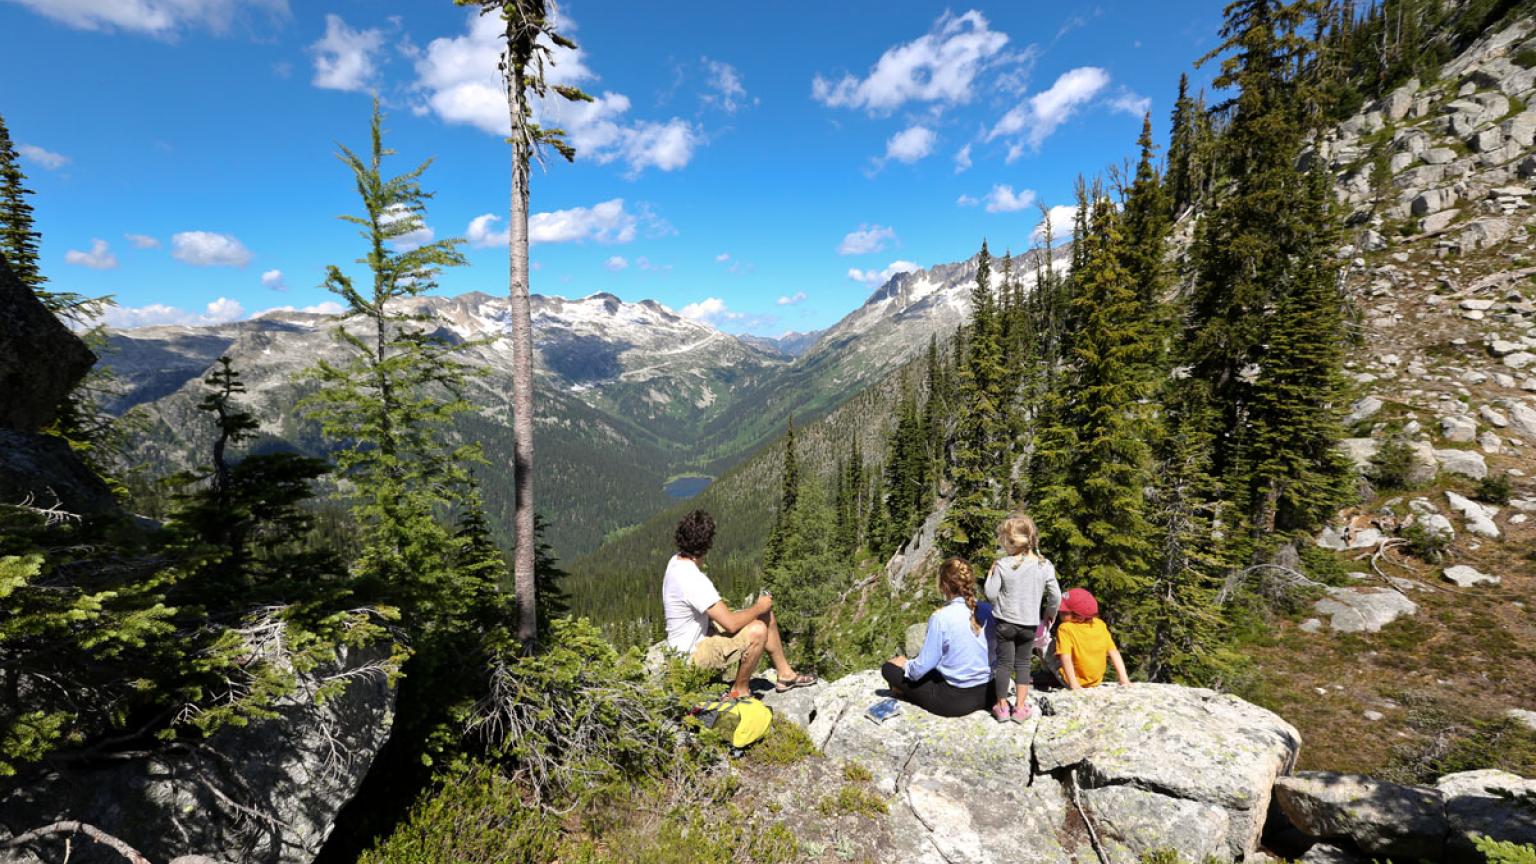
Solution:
(757, 640)
(775, 646)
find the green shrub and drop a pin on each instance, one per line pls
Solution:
(855, 772)
(475, 815)
(1426, 544)
(1525, 58)
(1494, 489)
(855, 798)
(578, 720)
(1502, 851)
(785, 744)
(1392, 462)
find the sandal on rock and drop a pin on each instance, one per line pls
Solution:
(804, 679)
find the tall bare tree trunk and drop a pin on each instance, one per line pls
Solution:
(522, 357)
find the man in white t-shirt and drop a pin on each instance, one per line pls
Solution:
(701, 626)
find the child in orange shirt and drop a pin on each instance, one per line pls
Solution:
(1083, 643)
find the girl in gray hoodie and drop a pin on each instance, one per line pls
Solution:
(1025, 595)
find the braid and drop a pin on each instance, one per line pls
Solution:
(956, 579)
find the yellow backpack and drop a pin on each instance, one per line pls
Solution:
(742, 721)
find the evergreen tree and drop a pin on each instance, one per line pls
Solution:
(788, 494)
(1146, 226)
(1092, 504)
(1263, 327)
(529, 38)
(1181, 150)
(977, 468)
(18, 238)
(390, 402)
(1298, 474)
(808, 577)
(1179, 626)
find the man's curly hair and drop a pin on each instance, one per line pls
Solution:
(695, 534)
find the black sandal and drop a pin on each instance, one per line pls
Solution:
(804, 679)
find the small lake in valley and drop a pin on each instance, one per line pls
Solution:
(687, 486)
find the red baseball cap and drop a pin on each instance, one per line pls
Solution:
(1079, 602)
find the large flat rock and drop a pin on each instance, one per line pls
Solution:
(1155, 766)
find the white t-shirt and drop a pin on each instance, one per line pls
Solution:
(685, 595)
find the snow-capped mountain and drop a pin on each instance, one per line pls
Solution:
(629, 393)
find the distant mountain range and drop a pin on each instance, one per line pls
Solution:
(629, 394)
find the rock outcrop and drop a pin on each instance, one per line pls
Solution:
(40, 362)
(266, 793)
(1149, 767)
(1384, 820)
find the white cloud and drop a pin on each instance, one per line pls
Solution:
(162, 18)
(710, 309)
(482, 233)
(605, 222)
(346, 59)
(225, 309)
(797, 297)
(99, 258)
(458, 81)
(1127, 102)
(273, 280)
(723, 257)
(1002, 199)
(1037, 117)
(46, 158)
(219, 311)
(616, 263)
(869, 238)
(939, 66)
(880, 277)
(967, 200)
(910, 144)
(142, 241)
(418, 236)
(963, 159)
(724, 81)
(1061, 217)
(209, 249)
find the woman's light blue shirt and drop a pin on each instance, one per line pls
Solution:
(962, 656)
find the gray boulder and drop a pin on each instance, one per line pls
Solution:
(1522, 419)
(1363, 610)
(1468, 577)
(1491, 803)
(1382, 819)
(40, 360)
(268, 792)
(1155, 766)
(1467, 463)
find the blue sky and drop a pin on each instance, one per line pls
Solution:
(761, 166)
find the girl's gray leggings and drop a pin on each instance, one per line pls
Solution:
(1015, 648)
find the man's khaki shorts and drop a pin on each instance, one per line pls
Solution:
(719, 652)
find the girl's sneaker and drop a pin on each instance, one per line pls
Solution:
(1022, 711)
(1000, 713)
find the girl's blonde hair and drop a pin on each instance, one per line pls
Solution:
(1017, 534)
(957, 579)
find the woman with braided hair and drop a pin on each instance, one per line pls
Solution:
(952, 675)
